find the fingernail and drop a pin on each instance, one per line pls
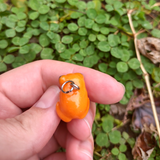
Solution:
(90, 130)
(122, 86)
(49, 98)
(86, 148)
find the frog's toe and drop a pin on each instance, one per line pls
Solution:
(61, 114)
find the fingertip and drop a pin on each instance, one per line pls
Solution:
(77, 126)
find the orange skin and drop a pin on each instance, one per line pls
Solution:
(74, 104)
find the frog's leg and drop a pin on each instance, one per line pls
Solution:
(86, 111)
(61, 114)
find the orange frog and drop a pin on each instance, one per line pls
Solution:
(74, 101)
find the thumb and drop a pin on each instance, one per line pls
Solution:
(26, 134)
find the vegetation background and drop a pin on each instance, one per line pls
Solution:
(96, 34)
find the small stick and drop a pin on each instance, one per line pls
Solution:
(146, 76)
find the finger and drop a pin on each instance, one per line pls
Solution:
(34, 78)
(61, 134)
(7, 108)
(76, 149)
(77, 126)
(56, 156)
(51, 147)
(28, 133)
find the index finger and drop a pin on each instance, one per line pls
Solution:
(24, 85)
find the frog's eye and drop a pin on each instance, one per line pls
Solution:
(73, 86)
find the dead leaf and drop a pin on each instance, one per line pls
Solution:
(150, 48)
(117, 109)
(144, 146)
(144, 115)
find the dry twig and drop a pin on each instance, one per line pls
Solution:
(146, 76)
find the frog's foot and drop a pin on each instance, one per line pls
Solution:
(86, 111)
(61, 114)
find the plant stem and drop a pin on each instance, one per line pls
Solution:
(146, 76)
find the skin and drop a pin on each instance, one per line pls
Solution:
(29, 125)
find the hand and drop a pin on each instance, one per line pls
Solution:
(29, 126)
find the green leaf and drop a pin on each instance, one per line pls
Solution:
(21, 15)
(103, 46)
(3, 44)
(19, 29)
(19, 61)
(115, 151)
(60, 1)
(125, 55)
(35, 23)
(13, 18)
(21, 23)
(3, 66)
(156, 74)
(78, 57)
(107, 125)
(90, 61)
(34, 4)
(67, 39)
(82, 31)
(10, 24)
(97, 4)
(146, 25)
(95, 27)
(33, 15)
(72, 2)
(72, 27)
(101, 37)
(60, 47)
(83, 44)
(76, 47)
(124, 100)
(89, 23)
(67, 53)
(10, 33)
(125, 135)
(50, 34)
(81, 5)
(122, 148)
(121, 156)
(138, 83)
(91, 13)
(44, 40)
(113, 40)
(44, 26)
(56, 38)
(156, 33)
(81, 21)
(101, 139)
(104, 30)
(92, 37)
(9, 59)
(90, 49)
(23, 41)
(117, 5)
(12, 49)
(35, 48)
(24, 49)
(122, 67)
(43, 9)
(54, 27)
(100, 19)
(134, 63)
(3, 7)
(109, 7)
(115, 136)
(102, 67)
(76, 15)
(46, 53)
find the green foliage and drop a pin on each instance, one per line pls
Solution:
(94, 34)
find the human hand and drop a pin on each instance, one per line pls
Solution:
(29, 126)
